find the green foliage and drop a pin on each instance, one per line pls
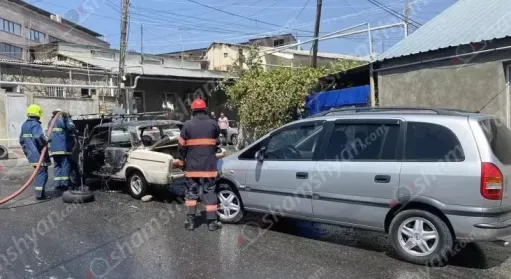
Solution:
(267, 99)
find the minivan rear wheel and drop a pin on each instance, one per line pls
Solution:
(421, 237)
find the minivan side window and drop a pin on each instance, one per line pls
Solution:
(499, 138)
(297, 142)
(427, 142)
(363, 142)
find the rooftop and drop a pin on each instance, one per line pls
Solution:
(465, 22)
(48, 14)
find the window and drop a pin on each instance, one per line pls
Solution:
(499, 138)
(53, 91)
(431, 142)
(120, 137)
(36, 36)
(279, 42)
(10, 27)
(52, 39)
(298, 142)
(99, 136)
(226, 54)
(353, 142)
(11, 51)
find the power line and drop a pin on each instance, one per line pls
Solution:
(395, 13)
(240, 16)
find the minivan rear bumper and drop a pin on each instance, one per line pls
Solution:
(493, 232)
(495, 226)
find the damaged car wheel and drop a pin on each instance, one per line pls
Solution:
(77, 196)
(137, 185)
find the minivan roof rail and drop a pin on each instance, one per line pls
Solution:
(439, 111)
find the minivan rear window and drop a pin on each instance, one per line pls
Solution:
(499, 138)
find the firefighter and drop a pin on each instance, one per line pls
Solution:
(60, 150)
(33, 140)
(197, 156)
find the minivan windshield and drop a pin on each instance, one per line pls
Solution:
(499, 138)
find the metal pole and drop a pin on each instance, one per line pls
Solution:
(122, 54)
(142, 43)
(370, 41)
(316, 34)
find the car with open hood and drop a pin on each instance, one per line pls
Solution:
(137, 152)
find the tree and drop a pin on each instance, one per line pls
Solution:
(268, 99)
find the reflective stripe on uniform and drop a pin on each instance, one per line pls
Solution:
(58, 153)
(198, 142)
(190, 203)
(38, 188)
(57, 130)
(58, 178)
(200, 174)
(26, 136)
(210, 208)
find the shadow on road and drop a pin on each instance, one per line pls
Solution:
(473, 256)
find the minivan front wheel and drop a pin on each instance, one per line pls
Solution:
(421, 237)
(230, 207)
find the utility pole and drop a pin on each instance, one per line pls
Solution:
(407, 17)
(316, 34)
(122, 55)
(142, 43)
(240, 60)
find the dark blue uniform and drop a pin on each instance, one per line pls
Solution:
(32, 140)
(197, 153)
(62, 142)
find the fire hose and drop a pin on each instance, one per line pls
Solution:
(38, 166)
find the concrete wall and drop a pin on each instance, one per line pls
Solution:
(30, 19)
(99, 102)
(469, 83)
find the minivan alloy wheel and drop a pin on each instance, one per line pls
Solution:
(229, 206)
(418, 236)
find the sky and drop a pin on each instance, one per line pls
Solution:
(175, 25)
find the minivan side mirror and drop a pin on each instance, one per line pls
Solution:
(259, 155)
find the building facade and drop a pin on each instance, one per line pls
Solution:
(453, 61)
(23, 25)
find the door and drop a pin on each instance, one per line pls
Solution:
(358, 172)
(138, 102)
(94, 153)
(281, 182)
(16, 114)
(116, 151)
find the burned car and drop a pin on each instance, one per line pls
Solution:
(137, 152)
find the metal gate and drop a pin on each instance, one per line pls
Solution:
(16, 108)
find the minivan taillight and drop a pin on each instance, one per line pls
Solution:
(492, 182)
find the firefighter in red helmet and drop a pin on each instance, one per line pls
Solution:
(197, 156)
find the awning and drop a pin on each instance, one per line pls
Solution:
(354, 96)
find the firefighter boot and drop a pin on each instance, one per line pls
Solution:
(190, 222)
(212, 225)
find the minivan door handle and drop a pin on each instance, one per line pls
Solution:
(302, 175)
(382, 178)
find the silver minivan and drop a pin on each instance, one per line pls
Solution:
(430, 178)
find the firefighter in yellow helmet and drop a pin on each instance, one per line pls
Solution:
(33, 140)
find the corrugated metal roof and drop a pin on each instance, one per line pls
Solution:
(150, 70)
(465, 22)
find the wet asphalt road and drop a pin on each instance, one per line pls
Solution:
(118, 237)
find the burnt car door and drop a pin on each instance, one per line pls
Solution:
(94, 151)
(116, 154)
